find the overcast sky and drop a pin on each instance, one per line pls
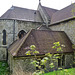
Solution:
(33, 4)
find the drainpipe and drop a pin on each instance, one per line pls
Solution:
(7, 54)
(14, 31)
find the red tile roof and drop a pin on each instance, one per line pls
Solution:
(43, 40)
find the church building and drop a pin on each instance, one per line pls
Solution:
(19, 24)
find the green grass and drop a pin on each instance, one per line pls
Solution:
(70, 71)
(4, 69)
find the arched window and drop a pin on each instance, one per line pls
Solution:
(4, 37)
(21, 34)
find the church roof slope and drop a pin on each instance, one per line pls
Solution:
(22, 14)
(49, 11)
(43, 40)
(63, 14)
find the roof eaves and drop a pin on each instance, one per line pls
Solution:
(28, 56)
(38, 55)
(64, 20)
(21, 20)
(23, 8)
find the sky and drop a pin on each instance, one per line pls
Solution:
(33, 4)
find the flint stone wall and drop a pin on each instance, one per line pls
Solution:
(21, 65)
(12, 28)
(68, 27)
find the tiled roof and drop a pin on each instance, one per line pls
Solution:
(33, 15)
(43, 40)
(63, 14)
(49, 11)
(22, 14)
(53, 15)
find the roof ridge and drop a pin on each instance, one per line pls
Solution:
(64, 8)
(23, 8)
(62, 12)
(49, 8)
(68, 6)
(12, 11)
(45, 12)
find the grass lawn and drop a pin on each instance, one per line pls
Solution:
(4, 69)
(70, 71)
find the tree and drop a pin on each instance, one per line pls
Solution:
(41, 63)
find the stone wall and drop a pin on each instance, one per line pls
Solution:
(68, 60)
(21, 65)
(24, 66)
(8, 26)
(12, 28)
(3, 53)
(68, 27)
(26, 26)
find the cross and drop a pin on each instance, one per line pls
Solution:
(39, 1)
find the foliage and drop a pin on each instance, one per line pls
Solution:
(4, 69)
(42, 62)
(33, 51)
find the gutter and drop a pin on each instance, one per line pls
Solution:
(64, 20)
(23, 20)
